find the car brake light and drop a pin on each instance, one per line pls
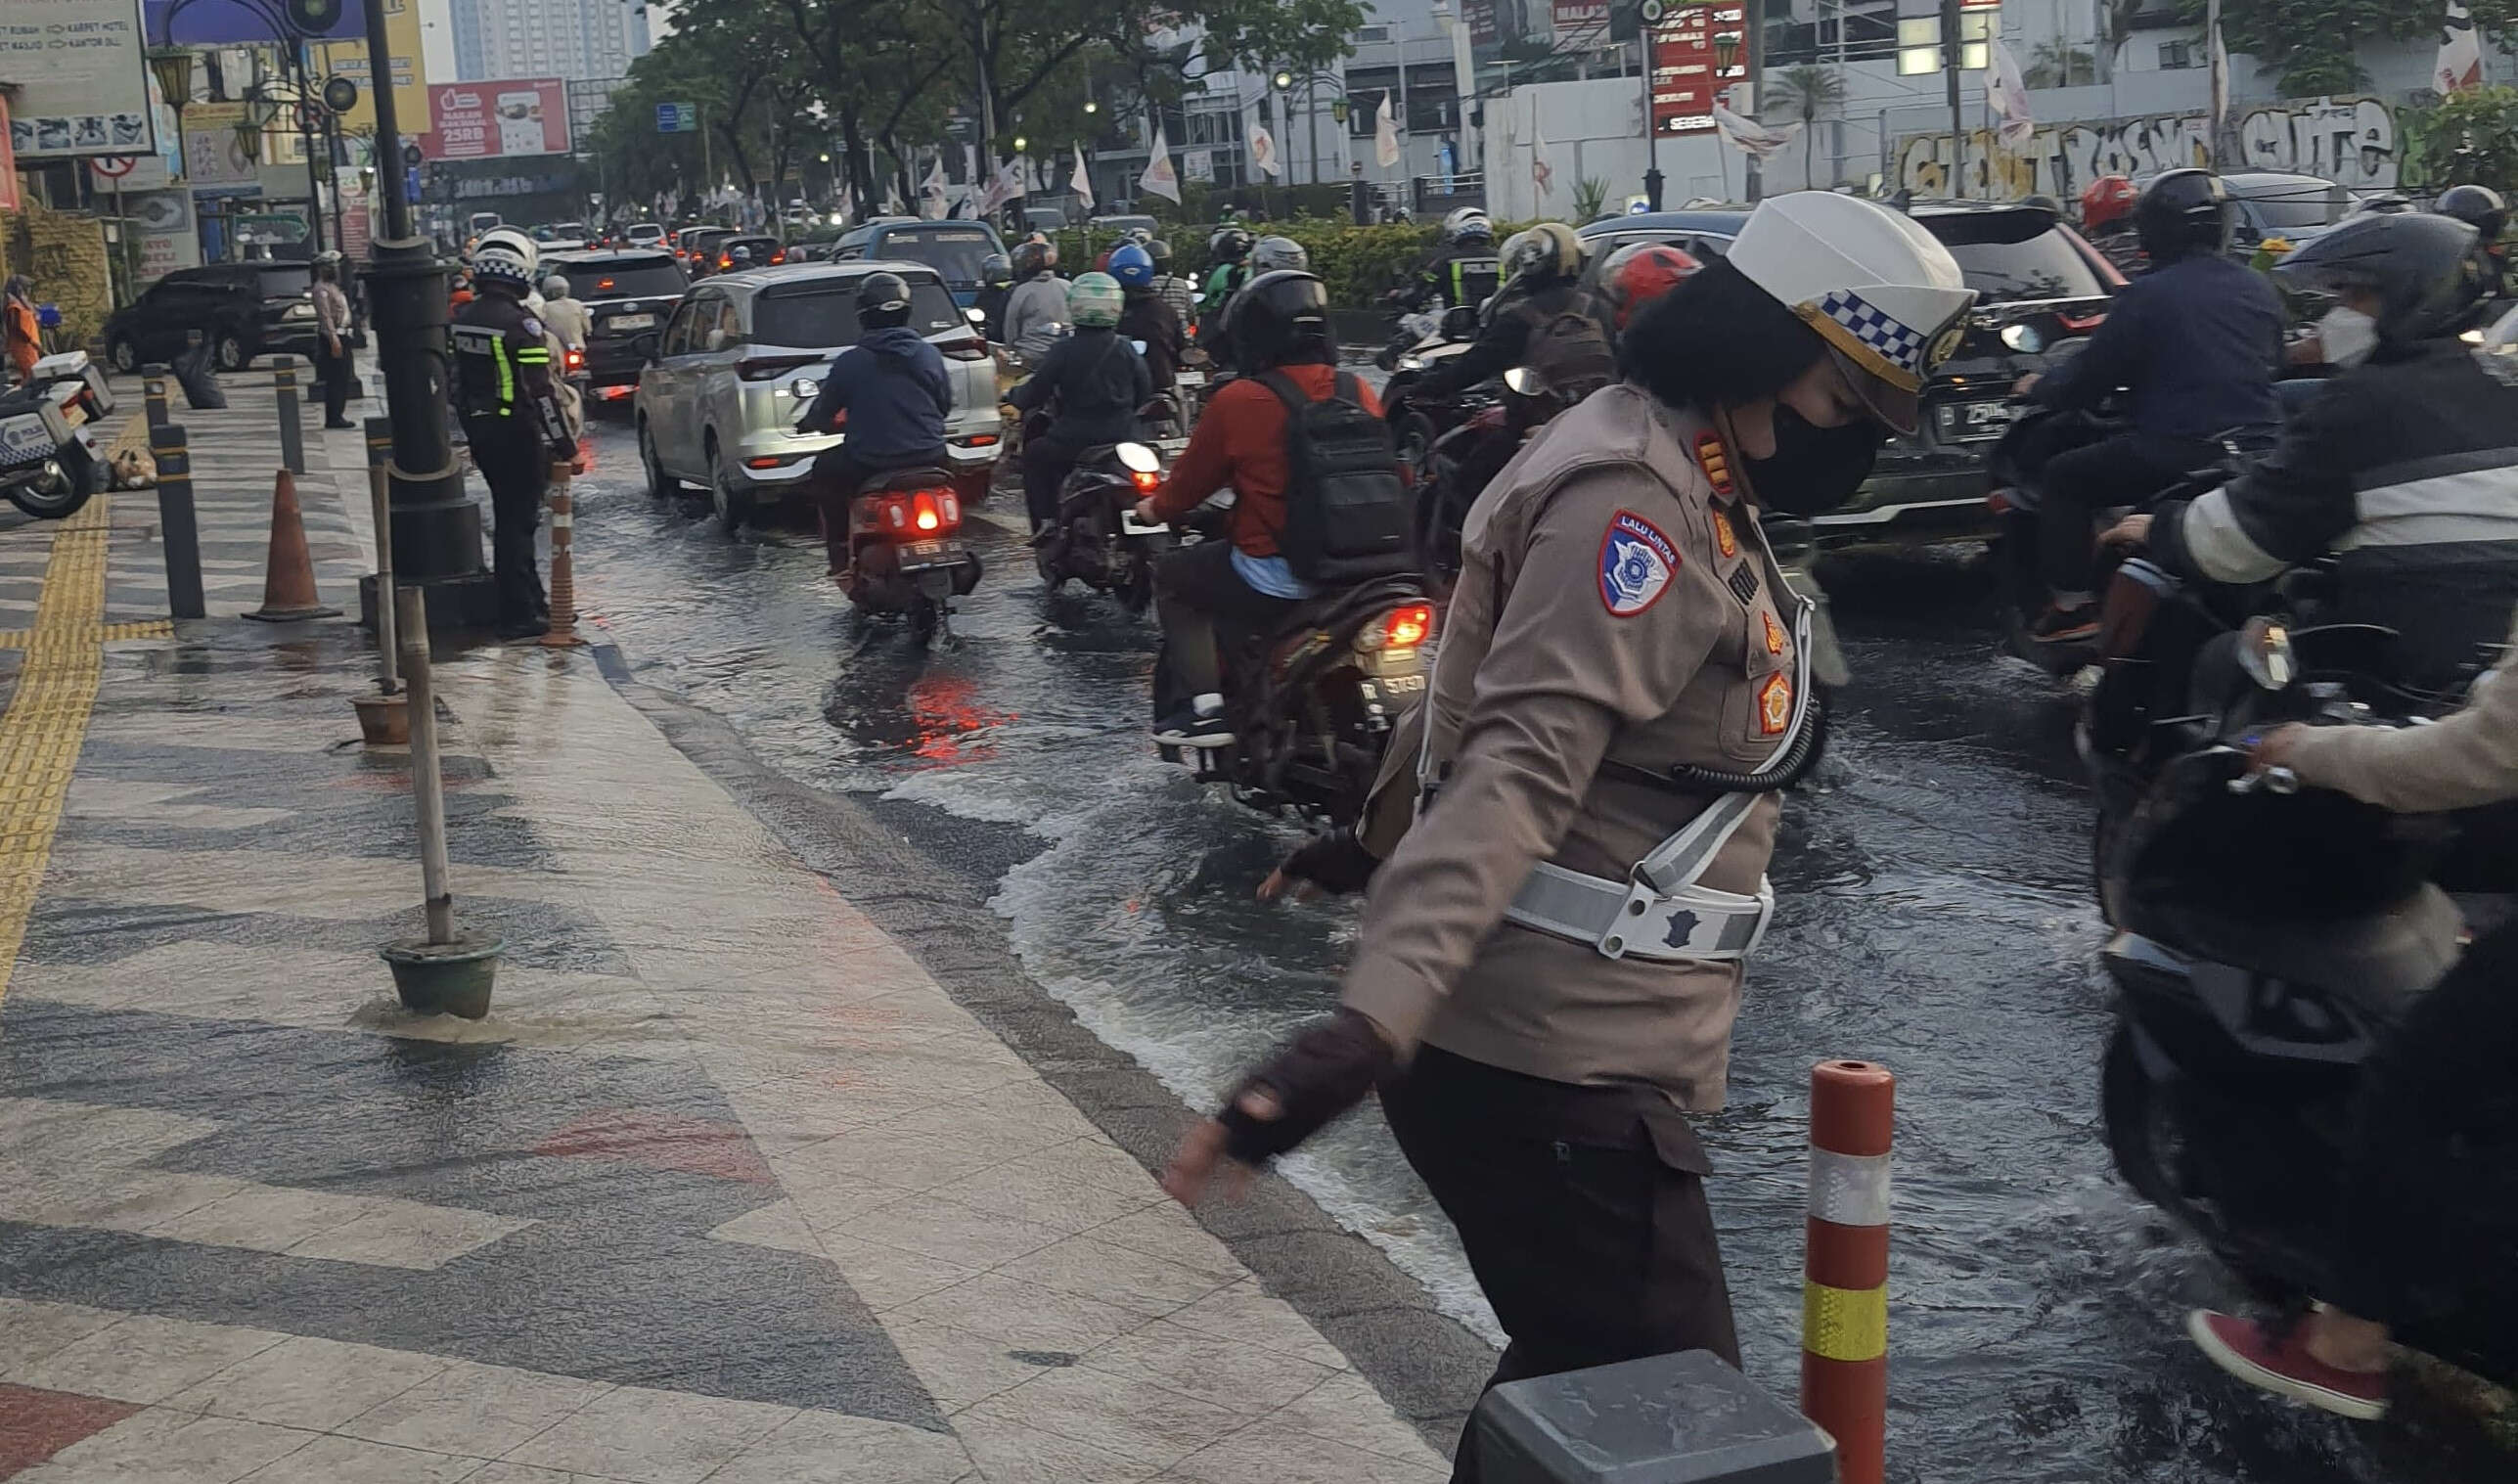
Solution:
(1402, 628)
(603, 284)
(763, 367)
(778, 257)
(725, 260)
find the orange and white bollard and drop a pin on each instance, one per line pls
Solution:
(1844, 1291)
(562, 633)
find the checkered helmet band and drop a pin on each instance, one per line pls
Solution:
(1876, 340)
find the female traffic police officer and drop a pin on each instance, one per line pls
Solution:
(1552, 958)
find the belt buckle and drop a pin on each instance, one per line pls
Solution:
(1640, 895)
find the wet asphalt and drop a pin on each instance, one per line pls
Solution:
(1935, 914)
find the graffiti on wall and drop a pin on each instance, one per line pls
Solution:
(2351, 140)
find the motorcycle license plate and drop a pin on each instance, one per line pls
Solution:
(625, 322)
(917, 556)
(1971, 421)
(1190, 379)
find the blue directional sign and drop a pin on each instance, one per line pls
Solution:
(677, 118)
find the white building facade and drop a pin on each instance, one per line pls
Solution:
(575, 39)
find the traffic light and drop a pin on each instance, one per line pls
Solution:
(313, 18)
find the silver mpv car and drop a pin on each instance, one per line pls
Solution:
(742, 358)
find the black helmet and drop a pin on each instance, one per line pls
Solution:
(2039, 201)
(1032, 257)
(882, 302)
(996, 270)
(2425, 269)
(1162, 251)
(2478, 206)
(1278, 317)
(2182, 211)
(1228, 245)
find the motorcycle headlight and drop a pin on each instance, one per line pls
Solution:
(1412, 363)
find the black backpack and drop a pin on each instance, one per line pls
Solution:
(1346, 506)
(1570, 348)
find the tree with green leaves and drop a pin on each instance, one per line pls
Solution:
(1805, 92)
(2312, 45)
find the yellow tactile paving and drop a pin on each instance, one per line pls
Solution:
(142, 628)
(47, 718)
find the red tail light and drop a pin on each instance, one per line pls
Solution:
(1145, 479)
(778, 257)
(725, 260)
(763, 367)
(576, 360)
(1402, 628)
(916, 514)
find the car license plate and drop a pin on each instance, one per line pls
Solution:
(1970, 421)
(621, 322)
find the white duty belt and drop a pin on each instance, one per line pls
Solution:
(1660, 913)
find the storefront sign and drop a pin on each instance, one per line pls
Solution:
(82, 87)
(497, 119)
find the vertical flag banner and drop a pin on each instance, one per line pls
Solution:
(1385, 133)
(2007, 92)
(931, 191)
(2460, 63)
(1160, 178)
(1263, 151)
(1082, 180)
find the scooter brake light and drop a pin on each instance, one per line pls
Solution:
(1145, 479)
(1402, 628)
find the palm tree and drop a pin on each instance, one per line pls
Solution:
(1805, 92)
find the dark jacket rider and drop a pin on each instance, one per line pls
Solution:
(2402, 465)
(893, 388)
(1544, 271)
(1092, 380)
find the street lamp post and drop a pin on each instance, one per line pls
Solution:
(436, 526)
(1648, 17)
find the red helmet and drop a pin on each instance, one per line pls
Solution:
(1634, 276)
(2108, 198)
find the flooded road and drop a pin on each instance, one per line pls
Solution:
(1935, 914)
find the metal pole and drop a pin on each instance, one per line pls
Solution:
(178, 531)
(1312, 116)
(428, 785)
(1753, 49)
(564, 564)
(307, 140)
(1951, 50)
(380, 453)
(1652, 125)
(1844, 1304)
(437, 527)
(293, 423)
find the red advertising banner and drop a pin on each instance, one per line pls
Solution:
(487, 121)
(1685, 78)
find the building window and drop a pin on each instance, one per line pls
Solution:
(1367, 34)
(1433, 91)
(2178, 56)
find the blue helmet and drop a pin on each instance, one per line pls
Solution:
(1133, 266)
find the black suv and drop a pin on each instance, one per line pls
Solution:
(626, 294)
(242, 309)
(2039, 290)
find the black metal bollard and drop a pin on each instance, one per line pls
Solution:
(153, 384)
(176, 525)
(293, 427)
(1685, 1416)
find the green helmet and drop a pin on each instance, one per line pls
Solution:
(1094, 302)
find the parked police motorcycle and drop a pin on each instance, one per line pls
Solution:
(2268, 936)
(905, 550)
(1097, 539)
(50, 461)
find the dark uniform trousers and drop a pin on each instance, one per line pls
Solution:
(516, 466)
(1581, 1209)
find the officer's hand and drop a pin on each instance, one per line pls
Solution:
(2275, 748)
(2132, 531)
(1192, 1168)
(2025, 384)
(1145, 512)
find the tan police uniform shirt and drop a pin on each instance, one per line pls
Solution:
(1612, 604)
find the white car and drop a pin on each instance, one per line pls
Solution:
(646, 234)
(743, 358)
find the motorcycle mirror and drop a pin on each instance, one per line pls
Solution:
(1525, 382)
(976, 315)
(2265, 653)
(1139, 458)
(2027, 340)
(1140, 344)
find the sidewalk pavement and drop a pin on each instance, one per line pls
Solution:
(727, 1188)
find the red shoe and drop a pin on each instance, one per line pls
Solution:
(2279, 1363)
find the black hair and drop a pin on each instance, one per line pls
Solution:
(1716, 339)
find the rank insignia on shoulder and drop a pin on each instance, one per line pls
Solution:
(1716, 461)
(1774, 633)
(1775, 705)
(1744, 582)
(1724, 541)
(1637, 562)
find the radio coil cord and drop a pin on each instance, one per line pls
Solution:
(1797, 762)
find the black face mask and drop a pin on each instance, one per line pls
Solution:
(1815, 469)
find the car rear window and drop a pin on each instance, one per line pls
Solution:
(629, 278)
(954, 252)
(822, 315)
(2294, 206)
(2044, 267)
(285, 283)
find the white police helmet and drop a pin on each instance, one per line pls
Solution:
(506, 256)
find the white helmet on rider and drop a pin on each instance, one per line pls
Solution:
(1549, 253)
(1280, 254)
(556, 286)
(1883, 293)
(1468, 224)
(506, 255)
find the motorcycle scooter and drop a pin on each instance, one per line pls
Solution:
(51, 464)
(905, 551)
(1097, 539)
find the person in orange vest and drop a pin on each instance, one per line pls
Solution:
(463, 293)
(24, 336)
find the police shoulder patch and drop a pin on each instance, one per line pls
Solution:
(532, 326)
(1637, 563)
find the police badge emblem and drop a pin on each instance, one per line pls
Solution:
(1637, 562)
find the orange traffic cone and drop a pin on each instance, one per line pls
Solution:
(289, 573)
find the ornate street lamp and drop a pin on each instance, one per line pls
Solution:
(173, 66)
